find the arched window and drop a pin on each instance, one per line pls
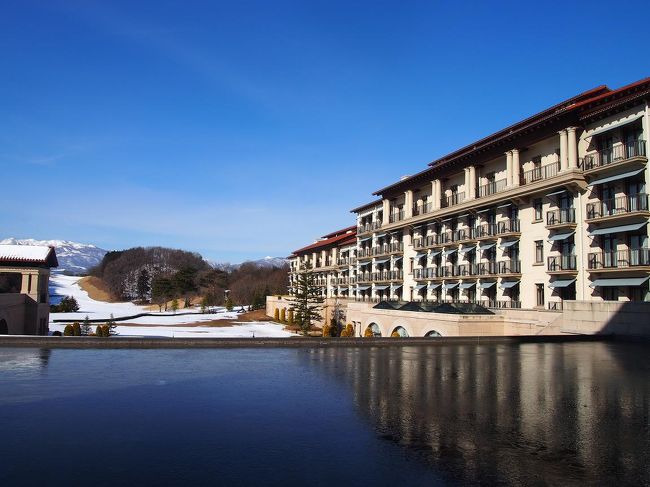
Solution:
(400, 332)
(432, 334)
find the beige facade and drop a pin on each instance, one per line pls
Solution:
(26, 312)
(552, 209)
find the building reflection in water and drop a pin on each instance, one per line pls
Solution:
(554, 414)
(25, 359)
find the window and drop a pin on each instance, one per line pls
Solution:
(539, 251)
(537, 205)
(540, 294)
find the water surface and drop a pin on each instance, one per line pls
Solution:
(554, 414)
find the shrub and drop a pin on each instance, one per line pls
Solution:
(276, 314)
(229, 304)
(76, 329)
(348, 331)
(68, 331)
(291, 317)
(395, 334)
(175, 305)
(56, 333)
(106, 331)
(67, 305)
(368, 333)
(98, 331)
(326, 330)
(283, 315)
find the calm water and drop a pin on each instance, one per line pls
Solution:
(554, 414)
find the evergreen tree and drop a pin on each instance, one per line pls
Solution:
(76, 329)
(306, 301)
(162, 290)
(85, 326)
(110, 326)
(143, 286)
(175, 305)
(229, 304)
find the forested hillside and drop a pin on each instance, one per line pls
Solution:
(157, 275)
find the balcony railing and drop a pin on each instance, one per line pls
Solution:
(486, 268)
(425, 273)
(387, 275)
(492, 303)
(420, 243)
(555, 305)
(562, 216)
(491, 188)
(618, 206)
(496, 229)
(368, 227)
(539, 173)
(422, 209)
(364, 277)
(562, 263)
(618, 259)
(396, 247)
(452, 200)
(343, 261)
(618, 153)
(396, 216)
(509, 267)
(364, 252)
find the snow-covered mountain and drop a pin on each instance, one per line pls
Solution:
(73, 257)
(265, 262)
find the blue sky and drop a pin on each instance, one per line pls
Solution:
(245, 129)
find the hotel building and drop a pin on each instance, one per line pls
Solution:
(551, 209)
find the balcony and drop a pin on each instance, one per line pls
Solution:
(619, 260)
(368, 227)
(499, 229)
(486, 269)
(380, 250)
(555, 305)
(396, 216)
(540, 173)
(452, 200)
(492, 303)
(364, 277)
(564, 217)
(387, 276)
(430, 241)
(616, 156)
(422, 209)
(509, 267)
(562, 264)
(343, 262)
(425, 273)
(491, 188)
(364, 253)
(619, 208)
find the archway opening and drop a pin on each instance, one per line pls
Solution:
(372, 330)
(432, 334)
(399, 332)
(4, 328)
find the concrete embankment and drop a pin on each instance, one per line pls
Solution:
(294, 342)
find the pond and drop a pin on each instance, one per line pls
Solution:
(569, 414)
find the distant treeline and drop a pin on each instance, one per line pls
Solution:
(159, 275)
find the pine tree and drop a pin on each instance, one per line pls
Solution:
(111, 326)
(306, 301)
(229, 304)
(143, 285)
(175, 305)
(76, 329)
(85, 326)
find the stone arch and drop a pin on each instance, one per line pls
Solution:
(399, 331)
(373, 330)
(4, 328)
(432, 334)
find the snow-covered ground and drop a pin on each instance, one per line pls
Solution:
(167, 324)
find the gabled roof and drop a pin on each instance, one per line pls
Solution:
(28, 254)
(341, 237)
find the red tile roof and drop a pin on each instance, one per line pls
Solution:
(338, 240)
